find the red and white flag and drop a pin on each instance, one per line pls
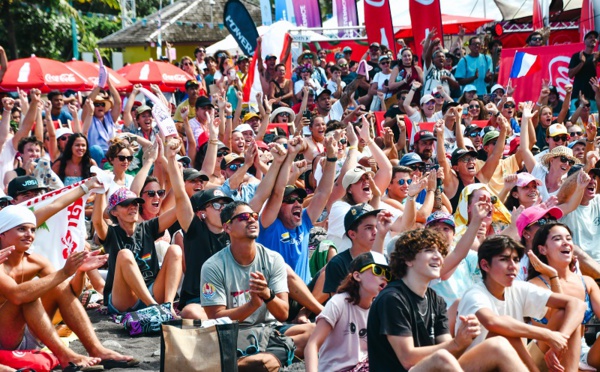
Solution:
(586, 20)
(378, 23)
(541, 14)
(425, 15)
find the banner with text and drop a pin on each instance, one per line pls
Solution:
(307, 13)
(555, 68)
(378, 23)
(64, 232)
(346, 14)
(241, 26)
(425, 15)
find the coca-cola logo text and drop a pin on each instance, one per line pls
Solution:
(558, 69)
(176, 78)
(62, 78)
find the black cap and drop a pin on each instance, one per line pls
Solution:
(191, 83)
(447, 105)
(365, 259)
(472, 128)
(593, 32)
(459, 153)
(23, 184)
(289, 189)
(356, 213)
(192, 174)
(201, 198)
(203, 101)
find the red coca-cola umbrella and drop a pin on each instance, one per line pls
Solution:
(167, 76)
(44, 74)
(91, 70)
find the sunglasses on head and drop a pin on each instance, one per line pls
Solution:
(234, 167)
(562, 138)
(542, 221)
(576, 133)
(403, 181)
(308, 56)
(378, 271)
(293, 199)
(63, 138)
(222, 153)
(471, 107)
(245, 216)
(123, 158)
(153, 193)
(99, 104)
(421, 168)
(564, 159)
(509, 106)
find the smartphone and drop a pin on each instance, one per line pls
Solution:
(307, 114)
(597, 131)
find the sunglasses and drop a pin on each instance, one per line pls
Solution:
(378, 271)
(384, 62)
(467, 159)
(201, 50)
(542, 221)
(250, 350)
(471, 107)
(284, 114)
(564, 159)
(536, 38)
(245, 216)
(99, 104)
(308, 56)
(222, 153)
(432, 102)
(153, 193)
(343, 141)
(576, 133)
(293, 199)
(421, 168)
(562, 138)
(474, 134)
(123, 158)
(63, 138)
(217, 206)
(127, 204)
(234, 167)
(509, 106)
(343, 65)
(588, 105)
(187, 63)
(403, 181)
(437, 95)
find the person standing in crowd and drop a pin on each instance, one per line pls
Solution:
(582, 66)
(475, 68)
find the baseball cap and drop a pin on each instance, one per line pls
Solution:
(410, 159)
(374, 44)
(289, 189)
(439, 216)
(229, 158)
(140, 110)
(496, 87)
(323, 90)
(354, 175)
(339, 55)
(203, 101)
(524, 179)
(533, 214)
(556, 129)
(22, 184)
(358, 212)
(249, 116)
(471, 129)
(424, 135)
(191, 174)
(514, 143)
(62, 131)
(593, 32)
(243, 128)
(184, 159)
(572, 144)
(493, 134)
(269, 56)
(468, 144)
(459, 153)
(365, 259)
(124, 197)
(347, 49)
(448, 105)
(262, 145)
(192, 83)
(426, 98)
(383, 57)
(203, 197)
(470, 88)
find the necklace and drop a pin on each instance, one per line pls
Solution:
(426, 308)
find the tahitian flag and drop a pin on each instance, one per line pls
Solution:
(307, 13)
(241, 26)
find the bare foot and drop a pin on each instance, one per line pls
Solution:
(6, 369)
(79, 360)
(107, 354)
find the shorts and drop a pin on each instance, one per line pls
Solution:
(186, 298)
(29, 341)
(137, 306)
(537, 355)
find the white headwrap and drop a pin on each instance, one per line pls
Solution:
(15, 215)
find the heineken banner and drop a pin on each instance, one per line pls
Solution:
(241, 26)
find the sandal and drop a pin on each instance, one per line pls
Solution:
(72, 367)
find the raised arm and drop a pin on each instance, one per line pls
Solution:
(525, 147)
(3, 63)
(349, 91)
(30, 117)
(488, 169)
(128, 120)
(185, 212)
(410, 111)
(115, 111)
(323, 191)
(350, 163)
(7, 106)
(148, 159)
(384, 173)
(98, 222)
(450, 180)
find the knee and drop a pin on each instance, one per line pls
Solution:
(125, 256)
(193, 311)
(445, 361)
(175, 252)
(500, 346)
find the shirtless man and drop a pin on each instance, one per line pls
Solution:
(28, 305)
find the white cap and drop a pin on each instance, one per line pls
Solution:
(243, 128)
(62, 131)
(496, 87)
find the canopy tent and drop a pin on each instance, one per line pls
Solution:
(450, 23)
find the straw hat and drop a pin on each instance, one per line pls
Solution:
(556, 152)
(104, 97)
(304, 53)
(280, 110)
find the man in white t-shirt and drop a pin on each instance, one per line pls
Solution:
(501, 304)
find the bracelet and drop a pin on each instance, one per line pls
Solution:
(271, 297)
(430, 190)
(213, 142)
(554, 277)
(351, 148)
(409, 197)
(332, 160)
(588, 141)
(85, 188)
(228, 116)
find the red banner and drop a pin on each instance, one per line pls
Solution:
(541, 11)
(586, 21)
(378, 23)
(555, 67)
(424, 16)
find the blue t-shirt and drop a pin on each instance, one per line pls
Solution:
(466, 68)
(291, 244)
(246, 194)
(64, 117)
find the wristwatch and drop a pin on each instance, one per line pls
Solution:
(271, 297)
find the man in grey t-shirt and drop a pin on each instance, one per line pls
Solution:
(246, 281)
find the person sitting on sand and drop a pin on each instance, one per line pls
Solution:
(27, 305)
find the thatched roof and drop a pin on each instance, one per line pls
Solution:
(183, 22)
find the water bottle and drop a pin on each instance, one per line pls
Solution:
(24, 73)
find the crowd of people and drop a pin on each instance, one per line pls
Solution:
(373, 244)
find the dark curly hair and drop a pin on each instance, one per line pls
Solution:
(410, 244)
(540, 238)
(496, 245)
(86, 160)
